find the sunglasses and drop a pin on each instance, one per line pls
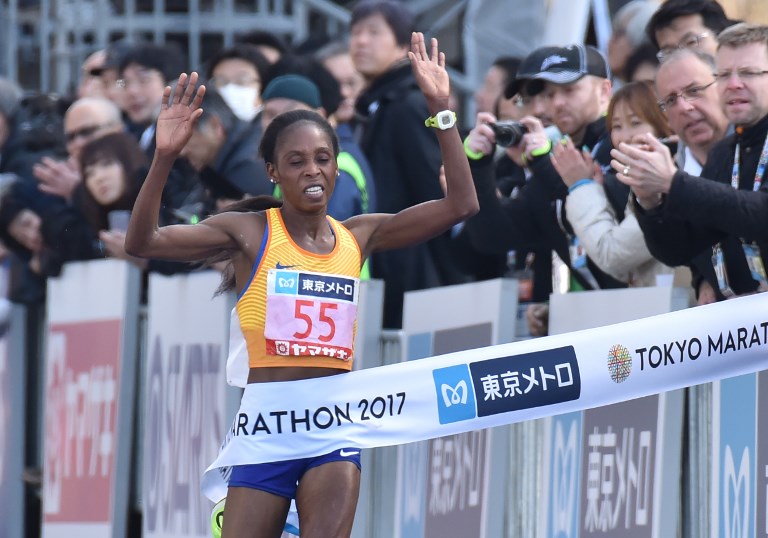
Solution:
(83, 132)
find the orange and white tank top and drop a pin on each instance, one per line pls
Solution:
(300, 308)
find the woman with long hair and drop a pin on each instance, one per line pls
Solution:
(614, 242)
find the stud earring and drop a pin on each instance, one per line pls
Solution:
(272, 180)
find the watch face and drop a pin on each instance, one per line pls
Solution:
(445, 119)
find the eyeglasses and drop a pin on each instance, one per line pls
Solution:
(688, 42)
(743, 74)
(143, 79)
(687, 95)
(83, 132)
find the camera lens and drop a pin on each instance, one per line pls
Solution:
(508, 133)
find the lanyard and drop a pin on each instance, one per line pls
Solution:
(751, 252)
(760, 167)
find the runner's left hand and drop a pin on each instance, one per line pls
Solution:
(429, 70)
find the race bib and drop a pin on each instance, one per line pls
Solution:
(310, 314)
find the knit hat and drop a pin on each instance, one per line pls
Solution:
(294, 87)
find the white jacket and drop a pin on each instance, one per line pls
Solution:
(617, 248)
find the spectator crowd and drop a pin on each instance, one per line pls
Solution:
(593, 171)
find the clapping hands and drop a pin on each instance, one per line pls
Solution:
(574, 165)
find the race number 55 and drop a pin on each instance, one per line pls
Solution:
(306, 311)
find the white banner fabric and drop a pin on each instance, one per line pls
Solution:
(492, 386)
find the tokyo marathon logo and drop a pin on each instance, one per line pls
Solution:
(619, 363)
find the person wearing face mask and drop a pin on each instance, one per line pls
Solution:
(616, 246)
(237, 73)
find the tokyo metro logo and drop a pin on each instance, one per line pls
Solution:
(619, 363)
(455, 394)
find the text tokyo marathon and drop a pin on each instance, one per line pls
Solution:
(321, 418)
(678, 351)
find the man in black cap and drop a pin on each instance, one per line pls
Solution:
(571, 85)
(576, 87)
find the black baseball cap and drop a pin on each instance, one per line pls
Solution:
(561, 65)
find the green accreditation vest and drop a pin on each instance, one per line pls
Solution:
(346, 162)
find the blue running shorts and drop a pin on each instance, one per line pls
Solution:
(282, 477)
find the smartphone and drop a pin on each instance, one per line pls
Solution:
(118, 220)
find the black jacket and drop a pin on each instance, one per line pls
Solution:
(699, 212)
(477, 265)
(530, 220)
(405, 159)
(237, 163)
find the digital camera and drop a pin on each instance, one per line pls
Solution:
(508, 133)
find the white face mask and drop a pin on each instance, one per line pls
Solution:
(241, 99)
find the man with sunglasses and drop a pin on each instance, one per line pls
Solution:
(85, 120)
(726, 214)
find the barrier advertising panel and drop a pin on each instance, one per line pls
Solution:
(89, 392)
(186, 400)
(613, 470)
(12, 413)
(734, 457)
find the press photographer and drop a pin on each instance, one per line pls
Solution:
(496, 148)
(571, 86)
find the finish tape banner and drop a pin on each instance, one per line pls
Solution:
(493, 386)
